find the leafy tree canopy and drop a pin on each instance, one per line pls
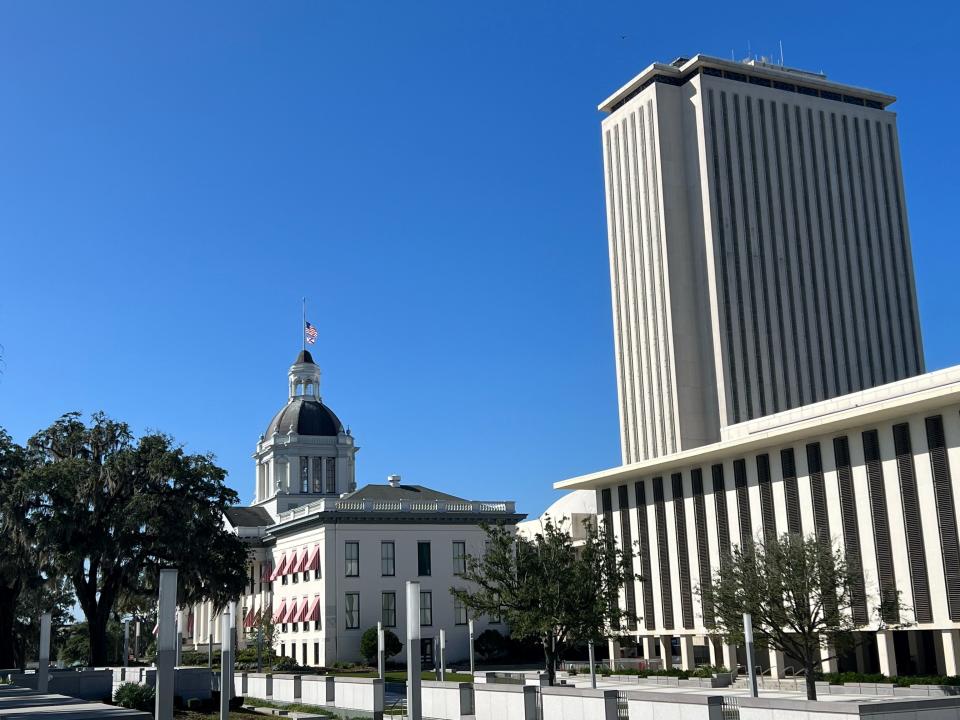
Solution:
(368, 644)
(112, 511)
(548, 588)
(799, 592)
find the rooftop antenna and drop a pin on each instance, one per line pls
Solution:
(781, 53)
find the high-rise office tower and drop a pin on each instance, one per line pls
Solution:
(759, 252)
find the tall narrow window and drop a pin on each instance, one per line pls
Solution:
(459, 612)
(353, 610)
(331, 478)
(626, 537)
(459, 558)
(316, 653)
(426, 608)
(352, 559)
(389, 607)
(387, 559)
(946, 514)
(304, 474)
(316, 467)
(423, 558)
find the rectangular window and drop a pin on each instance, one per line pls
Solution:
(331, 478)
(387, 559)
(316, 466)
(353, 610)
(459, 612)
(283, 580)
(495, 619)
(316, 653)
(423, 558)
(352, 562)
(293, 651)
(304, 654)
(283, 650)
(316, 625)
(389, 609)
(459, 558)
(426, 608)
(304, 474)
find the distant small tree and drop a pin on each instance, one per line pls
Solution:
(368, 644)
(491, 644)
(548, 588)
(799, 593)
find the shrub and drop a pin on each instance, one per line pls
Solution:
(135, 697)
(492, 645)
(368, 644)
(286, 664)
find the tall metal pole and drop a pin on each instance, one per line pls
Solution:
(593, 666)
(381, 650)
(43, 673)
(414, 705)
(126, 642)
(443, 653)
(226, 662)
(751, 664)
(166, 644)
(470, 628)
(260, 647)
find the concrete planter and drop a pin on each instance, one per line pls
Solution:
(260, 685)
(447, 700)
(317, 690)
(559, 702)
(498, 701)
(286, 688)
(364, 694)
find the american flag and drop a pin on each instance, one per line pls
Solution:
(311, 334)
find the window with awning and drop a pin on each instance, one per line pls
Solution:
(281, 611)
(291, 615)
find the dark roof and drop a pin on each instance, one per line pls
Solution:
(309, 417)
(305, 357)
(248, 517)
(401, 492)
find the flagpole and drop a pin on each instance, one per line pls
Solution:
(303, 325)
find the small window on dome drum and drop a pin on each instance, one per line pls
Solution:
(304, 474)
(331, 479)
(316, 467)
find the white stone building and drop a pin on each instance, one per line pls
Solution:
(769, 358)
(328, 561)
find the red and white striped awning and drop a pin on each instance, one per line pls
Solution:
(312, 614)
(281, 611)
(291, 615)
(313, 561)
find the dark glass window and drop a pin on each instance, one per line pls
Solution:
(423, 558)
(352, 559)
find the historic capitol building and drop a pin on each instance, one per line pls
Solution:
(769, 359)
(328, 560)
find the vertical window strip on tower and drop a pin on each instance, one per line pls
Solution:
(818, 492)
(683, 556)
(946, 514)
(766, 498)
(743, 503)
(626, 537)
(851, 529)
(703, 546)
(606, 504)
(788, 469)
(913, 524)
(723, 524)
(886, 575)
(644, 532)
(663, 554)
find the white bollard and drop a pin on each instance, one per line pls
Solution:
(166, 644)
(751, 663)
(414, 702)
(43, 671)
(470, 628)
(593, 666)
(226, 662)
(126, 642)
(443, 653)
(381, 650)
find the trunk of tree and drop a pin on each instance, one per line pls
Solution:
(551, 660)
(8, 610)
(98, 639)
(810, 678)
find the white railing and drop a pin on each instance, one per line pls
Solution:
(336, 505)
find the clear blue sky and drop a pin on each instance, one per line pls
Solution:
(174, 177)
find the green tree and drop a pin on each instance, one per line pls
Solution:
(368, 644)
(547, 589)
(799, 593)
(112, 511)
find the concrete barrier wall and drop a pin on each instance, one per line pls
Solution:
(81, 684)
(674, 706)
(364, 694)
(286, 688)
(916, 709)
(240, 684)
(494, 701)
(187, 682)
(260, 685)
(578, 704)
(446, 700)
(317, 690)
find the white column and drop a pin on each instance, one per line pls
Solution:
(715, 658)
(828, 664)
(613, 652)
(381, 642)
(886, 653)
(470, 630)
(166, 644)
(650, 647)
(666, 651)
(443, 653)
(777, 665)
(414, 705)
(950, 640)
(686, 652)
(728, 654)
(43, 673)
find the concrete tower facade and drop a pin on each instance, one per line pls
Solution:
(759, 252)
